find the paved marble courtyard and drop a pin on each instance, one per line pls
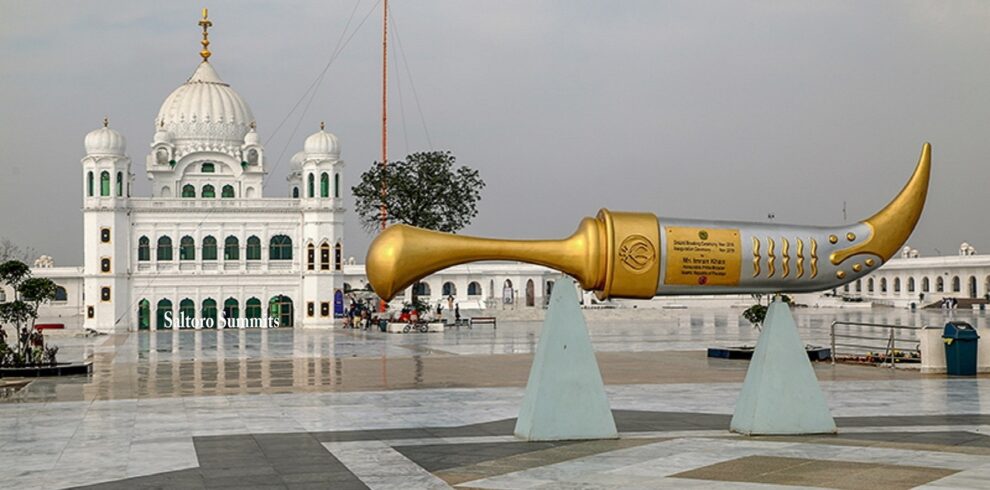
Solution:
(355, 409)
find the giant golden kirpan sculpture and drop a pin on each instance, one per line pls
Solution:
(638, 255)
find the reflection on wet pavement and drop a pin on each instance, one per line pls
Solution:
(229, 362)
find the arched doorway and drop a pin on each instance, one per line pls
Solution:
(972, 286)
(530, 293)
(252, 309)
(164, 306)
(507, 293)
(280, 307)
(231, 311)
(209, 313)
(144, 315)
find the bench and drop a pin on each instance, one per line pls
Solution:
(483, 320)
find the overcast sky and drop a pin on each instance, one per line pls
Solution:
(723, 110)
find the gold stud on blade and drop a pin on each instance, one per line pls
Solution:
(857, 267)
(840, 274)
(833, 239)
(870, 262)
(850, 236)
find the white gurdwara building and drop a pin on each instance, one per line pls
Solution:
(208, 244)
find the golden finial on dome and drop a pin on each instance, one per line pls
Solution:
(106, 121)
(322, 126)
(205, 53)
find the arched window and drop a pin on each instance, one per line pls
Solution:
(421, 289)
(209, 191)
(859, 285)
(883, 285)
(295, 192)
(325, 185)
(474, 289)
(338, 256)
(228, 191)
(956, 287)
(120, 184)
(144, 314)
(105, 183)
(347, 287)
(231, 248)
(164, 251)
(910, 285)
(253, 250)
(231, 309)
(939, 285)
(449, 289)
(161, 322)
(869, 285)
(210, 311)
(971, 290)
(209, 248)
(252, 309)
(89, 184)
(897, 284)
(324, 256)
(310, 257)
(309, 190)
(280, 248)
(61, 294)
(144, 249)
(187, 309)
(187, 248)
(925, 285)
(208, 168)
(188, 191)
(336, 185)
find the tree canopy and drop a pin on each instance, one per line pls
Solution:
(424, 190)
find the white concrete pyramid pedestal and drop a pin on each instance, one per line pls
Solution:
(565, 396)
(781, 394)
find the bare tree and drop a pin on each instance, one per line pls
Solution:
(11, 251)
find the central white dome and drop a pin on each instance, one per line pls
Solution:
(206, 109)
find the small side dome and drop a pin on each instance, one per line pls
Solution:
(322, 143)
(295, 164)
(105, 141)
(252, 138)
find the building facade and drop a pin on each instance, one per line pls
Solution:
(208, 244)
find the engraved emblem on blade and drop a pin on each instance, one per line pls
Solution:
(786, 254)
(756, 256)
(637, 253)
(814, 258)
(800, 258)
(771, 258)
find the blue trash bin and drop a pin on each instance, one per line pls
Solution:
(961, 342)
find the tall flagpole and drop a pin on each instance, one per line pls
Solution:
(384, 185)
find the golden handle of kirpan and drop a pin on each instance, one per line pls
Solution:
(402, 254)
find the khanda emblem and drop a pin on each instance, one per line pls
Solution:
(636, 253)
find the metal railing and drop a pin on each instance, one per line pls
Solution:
(885, 342)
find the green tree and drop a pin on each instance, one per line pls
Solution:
(424, 190)
(22, 313)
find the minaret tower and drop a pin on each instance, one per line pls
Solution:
(323, 224)
(106, 222)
